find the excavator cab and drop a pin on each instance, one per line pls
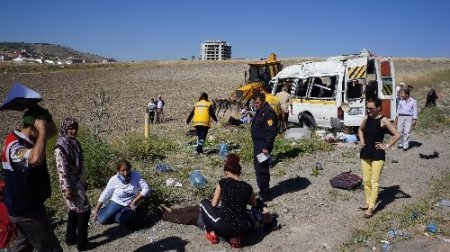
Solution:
(259, 74)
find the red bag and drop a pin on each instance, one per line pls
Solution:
(346, 181)
(7, 229)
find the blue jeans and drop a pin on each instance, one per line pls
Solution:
(115, 213)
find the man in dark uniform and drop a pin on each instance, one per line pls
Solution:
(264, 130)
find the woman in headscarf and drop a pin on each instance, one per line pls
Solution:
(72, 178)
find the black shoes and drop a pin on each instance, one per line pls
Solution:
(274, 225)
(266, 197)
(87, 246)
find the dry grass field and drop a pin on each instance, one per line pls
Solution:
(130, 87)
(314, 216)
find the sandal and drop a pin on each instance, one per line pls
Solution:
(368, 215)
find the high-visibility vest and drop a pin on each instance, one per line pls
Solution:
(201, 113)
(274, 103)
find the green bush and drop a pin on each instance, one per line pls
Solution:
(433, 118)
(135, 147)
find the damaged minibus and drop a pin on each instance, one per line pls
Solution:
(333, 93)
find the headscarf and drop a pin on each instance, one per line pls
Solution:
(70, 146)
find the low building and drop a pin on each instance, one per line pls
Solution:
(215, 50)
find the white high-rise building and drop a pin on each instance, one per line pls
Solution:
(215, 50)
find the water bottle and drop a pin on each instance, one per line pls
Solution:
(197, 179)
(432, 228)
(223, 150)
(318, 166)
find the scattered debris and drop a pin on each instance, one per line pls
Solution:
(434, 155)
(223, 150)
(171, 182)
(346, 181)
(386, 245)
(432, 228)
(444, 202)
(394, 233)
(197, 179)
(318, 166)
(394, 161)
(297, 133)
(160, 167)
(413, 215)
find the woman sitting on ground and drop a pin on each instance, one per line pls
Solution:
(231, 220)
(124, 190)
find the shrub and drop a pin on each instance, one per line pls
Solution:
(136, 147)
(98, 158)
(433, 118)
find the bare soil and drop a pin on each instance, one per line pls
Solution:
(313, 215)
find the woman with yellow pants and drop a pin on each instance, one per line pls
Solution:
(371, 134)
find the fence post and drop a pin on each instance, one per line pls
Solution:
(147, 125)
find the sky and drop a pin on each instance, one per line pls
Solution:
(173, 29)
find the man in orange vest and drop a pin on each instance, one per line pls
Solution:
(200, 116)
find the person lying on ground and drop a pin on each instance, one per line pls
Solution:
(231, 220)
(246, 119)
(191, 215)
(123, 191)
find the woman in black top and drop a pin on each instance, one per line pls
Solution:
(371, 134)
(231, 220)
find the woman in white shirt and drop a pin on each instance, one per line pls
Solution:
(123, 191)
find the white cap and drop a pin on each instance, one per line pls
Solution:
(402, 84)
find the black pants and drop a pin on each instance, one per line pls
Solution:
(202, 131)
(261, 169)
(214, 223)
(233, 121)
(34, 232)
(186, 215)
(151, 114)
(77, 228)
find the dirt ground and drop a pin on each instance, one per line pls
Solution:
(314, 216)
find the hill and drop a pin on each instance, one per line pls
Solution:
(47, 51)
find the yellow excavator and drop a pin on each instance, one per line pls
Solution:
(258, 74)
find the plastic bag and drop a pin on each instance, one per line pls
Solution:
(197, 179)
(223, 150)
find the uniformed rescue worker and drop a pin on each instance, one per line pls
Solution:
(272, 100)
(200, 116)
(263, 130)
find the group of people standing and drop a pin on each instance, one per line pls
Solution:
(156, 108)
(27, 185)
(264, 129)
